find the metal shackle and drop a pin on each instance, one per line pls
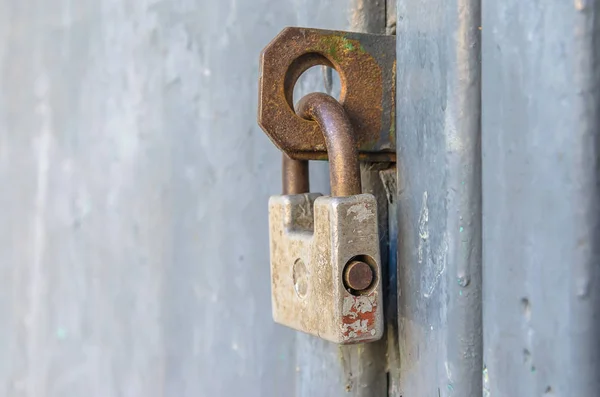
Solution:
(344, 169)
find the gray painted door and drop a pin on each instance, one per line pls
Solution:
(541, 134)
(439, 198)
(498, 245)
(133, 246)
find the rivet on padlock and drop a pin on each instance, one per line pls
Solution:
(325, 261)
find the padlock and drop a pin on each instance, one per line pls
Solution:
(325, 260)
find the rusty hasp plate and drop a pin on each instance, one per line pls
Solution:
(366, 65)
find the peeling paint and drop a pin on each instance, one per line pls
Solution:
(434, 263)
(360, 212)
(358, 316)
(423, 227)
(358, 304)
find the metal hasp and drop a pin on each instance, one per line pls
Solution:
(325, 261)
(366, 64)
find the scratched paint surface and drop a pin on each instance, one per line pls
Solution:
(541, 198)
(439, 198)
(358, 316)
(133, 246)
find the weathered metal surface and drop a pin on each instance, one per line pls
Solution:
(312, 240)
(133, 202)
(388, 185)
(368, 16)
(318, 265)
(315, 257)
(391, 15)
(365, 64)
(358, 276)
(541, 151)
(439, 198)
(294, 175)
(340, 140)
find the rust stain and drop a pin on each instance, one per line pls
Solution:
(360, 59)
(359, 317)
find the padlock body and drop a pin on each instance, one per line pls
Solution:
(312, 240)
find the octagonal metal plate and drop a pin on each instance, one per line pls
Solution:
(366, 64)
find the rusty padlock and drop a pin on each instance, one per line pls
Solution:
(325, 260)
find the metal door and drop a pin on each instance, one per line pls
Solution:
(133, 246)
(498, 103)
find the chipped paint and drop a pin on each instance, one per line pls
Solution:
(434, 262)
(353, 305)
(423, 227)
(361, 212)
(359, 316)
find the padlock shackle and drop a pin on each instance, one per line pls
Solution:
(344, 169)
(294, 176)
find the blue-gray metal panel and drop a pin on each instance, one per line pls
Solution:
(134, 240)
(541, 115)
(439, 198)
